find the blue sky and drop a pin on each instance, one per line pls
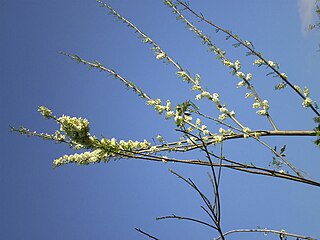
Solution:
(107, 201)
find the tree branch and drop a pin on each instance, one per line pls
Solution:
(282, 233)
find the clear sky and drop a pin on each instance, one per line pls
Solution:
(107, 201)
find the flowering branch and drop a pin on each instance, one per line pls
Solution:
(307, 102)
(75, 131)
(221, 55)
(282, 233)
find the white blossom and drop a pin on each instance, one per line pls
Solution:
(160, 55)
(307, 102)
(249, 76)
(240, 74)
(237, 65)
(258, 62)
(271, 64)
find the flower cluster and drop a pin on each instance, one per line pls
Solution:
(160, 55)
(264, 105)
(246, 132)
(45, 112)
(240, 74)
(204, 94)
(237, 65)
(284, 76)
(75, 128)
(161, 108)
(186, 77)
(307, 102)
(245, 78)
(217, 139)
(205, 130)
(81, 159)
(258, 62)
(271, 64)
(103, 151)
(125, 145)
(280, 86)
(225, 132)
(228, 63)
(247, 43)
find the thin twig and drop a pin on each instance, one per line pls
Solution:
(147, 234)
(186, 218)
(283, 233)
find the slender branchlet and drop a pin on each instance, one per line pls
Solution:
(221, 55)
(282, 233)
(275, 67)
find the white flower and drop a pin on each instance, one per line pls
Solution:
(159, 108)
(223, 110)
(145, 144)
(170, 114)
(189, 129)
(284, 76)
(271, 64)
(153, 102)
(199, 96)
(227, 63)
(280, 86)
(257, 134)
(222, 131)
(168, 106)
(256, 105)
(196, 88)
(240, 74)
(249, 77)
(164, 159)
(306, 92)
(160, 138)
(297, 88)
(113, 142)
(261, 112)
(206, 94)
(198, 122)
(222, 117)
(258, 62)
(247, 43)
(160, 55)
(215, 98)
(153, 149)
(179, 120)
(197, 79)
(206, 132)
(241, 84)
(187, 118)
(44, 111)
(217, 139)
(237, 65)
(307, 102)
(246, 131)
(248, 95)
(265, 105)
